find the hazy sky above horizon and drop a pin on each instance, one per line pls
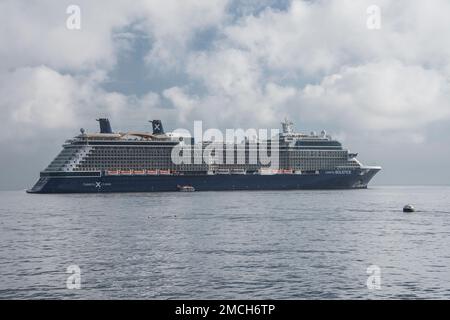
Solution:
(385, 93)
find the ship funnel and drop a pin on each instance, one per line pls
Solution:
(105, 126)
(157, 127)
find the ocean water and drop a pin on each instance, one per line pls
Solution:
(227, 245)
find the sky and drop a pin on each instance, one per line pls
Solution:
(382, 89)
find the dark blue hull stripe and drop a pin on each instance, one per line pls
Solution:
(356, 179)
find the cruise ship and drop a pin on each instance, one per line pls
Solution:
(110, 161)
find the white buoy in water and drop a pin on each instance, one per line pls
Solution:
(409, 208)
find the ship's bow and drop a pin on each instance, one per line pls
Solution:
(367, 173)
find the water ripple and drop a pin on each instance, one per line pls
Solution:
(227, 245)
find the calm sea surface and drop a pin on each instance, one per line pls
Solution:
(233, 245)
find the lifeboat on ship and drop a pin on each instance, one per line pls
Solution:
(265, 171)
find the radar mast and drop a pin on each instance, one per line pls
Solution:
(288, 126)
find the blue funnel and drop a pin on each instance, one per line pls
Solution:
(157, 127)
(105, 126)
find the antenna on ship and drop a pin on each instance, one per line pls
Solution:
(288, 126)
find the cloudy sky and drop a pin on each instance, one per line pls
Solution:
(384, 92)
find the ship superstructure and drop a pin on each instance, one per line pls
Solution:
(140, 161)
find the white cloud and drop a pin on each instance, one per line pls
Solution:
(379, 96)
(38, 100)
(51, 77)
(183, 103)
(235, 91)
(35, 33)
(173, 24)
(229, 71)
(319, 60)
(320, 37)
